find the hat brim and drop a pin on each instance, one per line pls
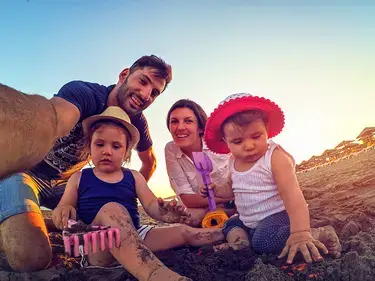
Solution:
(133, 131)
(212, 135)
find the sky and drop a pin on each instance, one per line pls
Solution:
(315, 59)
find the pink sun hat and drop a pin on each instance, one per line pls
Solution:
(236, 103)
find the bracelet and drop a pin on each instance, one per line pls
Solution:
(298, 231)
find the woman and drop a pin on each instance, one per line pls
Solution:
(186, 121)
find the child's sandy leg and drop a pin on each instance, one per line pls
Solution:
(328, 236)
(237, 239)
(133, 254)
(203, 236)
(168, 237)
(100, 258)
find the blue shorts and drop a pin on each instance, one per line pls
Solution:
(268, 237)
(26, 192)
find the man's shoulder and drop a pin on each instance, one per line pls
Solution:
(138, 116)
(85, 86)
(139, 121)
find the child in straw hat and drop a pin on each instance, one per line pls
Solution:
(107, 195)
(272, 211)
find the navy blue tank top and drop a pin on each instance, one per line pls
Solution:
(93, 194)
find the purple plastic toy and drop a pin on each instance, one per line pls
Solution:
(203, 165)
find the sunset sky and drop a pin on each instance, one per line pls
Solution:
(316, 60)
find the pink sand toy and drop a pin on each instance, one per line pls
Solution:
(77, 237)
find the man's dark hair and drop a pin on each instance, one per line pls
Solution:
(163, 69)
(193, 106)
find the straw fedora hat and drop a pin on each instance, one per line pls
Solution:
(116, 114)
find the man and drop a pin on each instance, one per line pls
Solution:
(42, 144)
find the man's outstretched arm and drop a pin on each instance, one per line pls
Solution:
(29, 127)
(148, 163)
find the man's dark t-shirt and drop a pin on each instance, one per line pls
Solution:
(68, 152)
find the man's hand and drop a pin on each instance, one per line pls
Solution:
(305, 243)
(62, 214)
(171, 212)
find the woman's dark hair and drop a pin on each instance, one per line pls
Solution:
(193, 106)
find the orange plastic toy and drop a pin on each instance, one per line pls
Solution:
(214, 219)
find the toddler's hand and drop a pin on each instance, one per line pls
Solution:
(61, 214)
(306, 244)
(203, 190)
(172, 212)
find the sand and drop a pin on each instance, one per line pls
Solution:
(341, 195)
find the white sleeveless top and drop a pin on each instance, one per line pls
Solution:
(255, 191)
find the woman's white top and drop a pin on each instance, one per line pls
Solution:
(183, 177)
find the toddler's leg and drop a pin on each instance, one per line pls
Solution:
(132, 254)
(328, 236)
(236, 234)
(271, 234)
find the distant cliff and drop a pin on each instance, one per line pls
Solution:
(347, 148)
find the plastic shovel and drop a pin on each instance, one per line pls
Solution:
(203, 165)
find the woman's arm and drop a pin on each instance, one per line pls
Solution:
(182, 187)
(180, 183)
(197, 201)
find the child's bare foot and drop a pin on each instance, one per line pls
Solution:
(237, 245)
(327, 235)
(165, 274)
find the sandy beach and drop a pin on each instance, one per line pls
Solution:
(341, 195)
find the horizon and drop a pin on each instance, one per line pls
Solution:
(315, 59)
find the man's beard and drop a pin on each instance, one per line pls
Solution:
(124, 96)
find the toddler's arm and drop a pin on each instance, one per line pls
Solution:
(300, 238)
(290, 192)
(65, 210)
(156, 208)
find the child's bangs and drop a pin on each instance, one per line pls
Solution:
(96, 125)
(245, 118)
